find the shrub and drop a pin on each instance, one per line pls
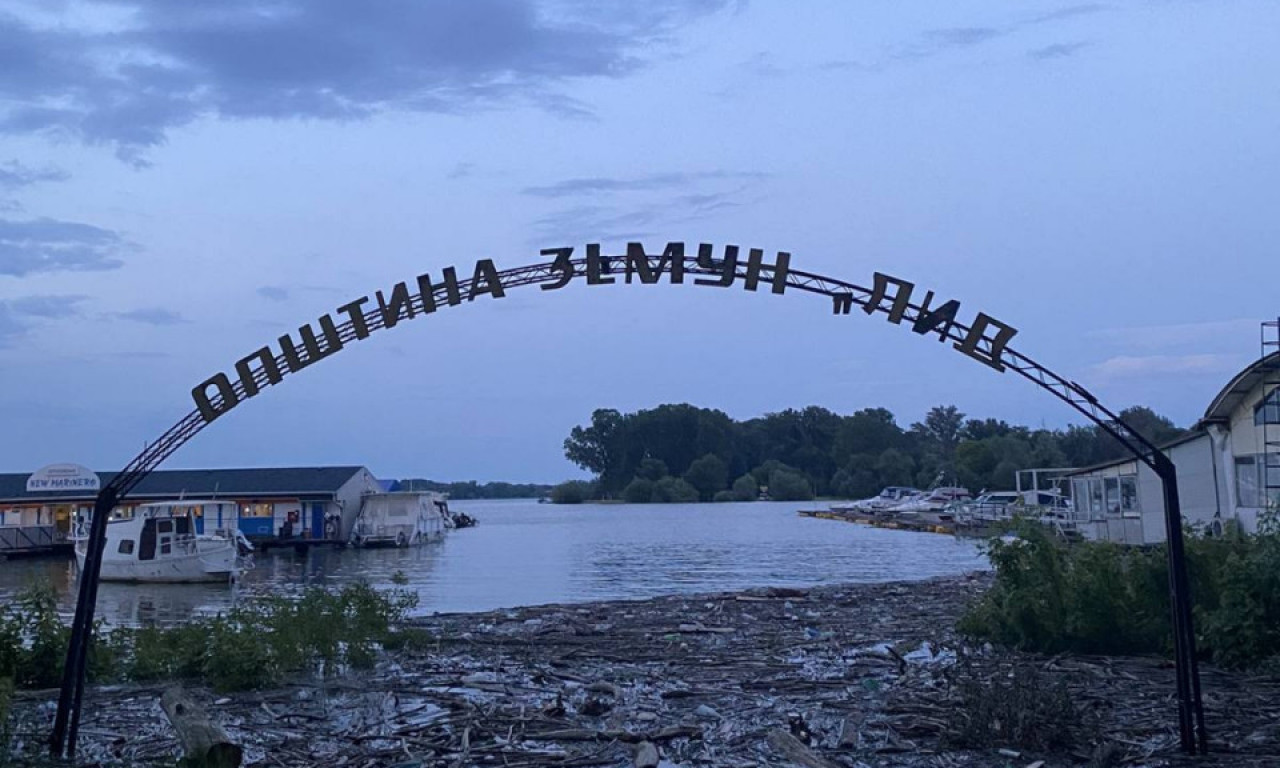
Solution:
(745, 488)
(1099, 597)
(724, 496)
(638, 491)
(674, 490)
(573, 492)
(789, 485)
(1013, 709)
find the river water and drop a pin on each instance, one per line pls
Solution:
(525, 553)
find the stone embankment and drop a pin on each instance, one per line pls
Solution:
(866, 675)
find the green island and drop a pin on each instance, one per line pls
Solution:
(681, 453)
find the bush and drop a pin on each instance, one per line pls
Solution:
(674, 490)
(255, 645)
(1098, 597)
(1011, 709)
(789, 485)
(745, 489)
(573, 492)
(638, 491)
(724, 496)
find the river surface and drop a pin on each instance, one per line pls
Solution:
(525, 553)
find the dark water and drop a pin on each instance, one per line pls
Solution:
(524, 553)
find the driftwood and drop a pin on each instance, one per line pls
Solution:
(204, 744)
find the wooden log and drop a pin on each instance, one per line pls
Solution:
(204, 744)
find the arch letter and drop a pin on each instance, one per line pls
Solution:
(597, 266)
(563, 265)
(399, 304)
(353, 311)
(485, 280)
(267, 369)
(901, 296)
(226, 397)
(728, 266)
(638, 263)
(995, 345)
(755, 261)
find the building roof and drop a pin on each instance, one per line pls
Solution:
(1232, 396)
(1191, 435)
(282, 481)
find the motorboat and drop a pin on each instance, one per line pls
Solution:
(400, 519)
(162, 542)
(935, 500)
(889, 497)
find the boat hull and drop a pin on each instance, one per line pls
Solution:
(219, 565)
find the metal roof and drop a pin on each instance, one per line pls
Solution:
(171, 483)
(1232, 396)
(1191, 435)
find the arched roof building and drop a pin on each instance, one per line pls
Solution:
(1228, 468)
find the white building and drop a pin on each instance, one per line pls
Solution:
(1228, 469)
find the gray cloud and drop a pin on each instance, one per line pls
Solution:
(50, 245)
(321, 59)
(16, 315)
(151, 316)
(936, 41)
(14, 174)
(658, 181)
(273, 292)
(1056, 51)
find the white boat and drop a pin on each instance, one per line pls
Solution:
(160, 543)
(400, 519)
(890, 496)
(935, 500)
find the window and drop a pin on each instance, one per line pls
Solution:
(1247, 481)
(126, 547)
(1267, 411)
(165, 547)
(255, 510)
(164, 526)
(1129, 497)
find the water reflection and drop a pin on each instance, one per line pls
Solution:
(523, 553)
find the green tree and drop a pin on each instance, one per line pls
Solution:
(573, 492)
(789, 485)
(709, 475)
(638, 491)
(601, 447)
(939, 434)
(745, 489)
(894, 468)
(652, 469)
(674, 490)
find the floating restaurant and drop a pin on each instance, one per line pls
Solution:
(304, 504)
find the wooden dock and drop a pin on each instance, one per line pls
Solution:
(924, 523)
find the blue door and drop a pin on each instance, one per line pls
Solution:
(317, 521)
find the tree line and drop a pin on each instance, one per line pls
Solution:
(682, 453)
(470, 489)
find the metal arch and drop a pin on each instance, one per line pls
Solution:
(1073, 394)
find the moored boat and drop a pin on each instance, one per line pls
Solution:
(400, 519)
(160, 542)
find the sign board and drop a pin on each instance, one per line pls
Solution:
(63, 477)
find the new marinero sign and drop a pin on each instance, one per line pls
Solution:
(985, 340)
(63, 477)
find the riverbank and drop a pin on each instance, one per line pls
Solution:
(844, 676)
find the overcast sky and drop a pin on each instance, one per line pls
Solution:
(181, 183)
